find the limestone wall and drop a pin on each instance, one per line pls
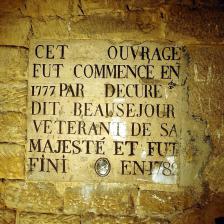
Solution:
(199, 27)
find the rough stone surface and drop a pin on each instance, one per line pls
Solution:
(39, 8)
(33, 197)
(13, 68)
(214, 174)
(193, 216)
(13, 127)
(130, 25)
(195, 153)
(12, 161)
(16, 32)
(7, 217)
(205, 213)
(205, 91)
(2, 189)
(36, 218)
(100, 7)
(91, 219)
(202, 24)
(197, 24)
(133, 25)
(164, 203)
(50, 29)
(13, 97)
(8, 8)
(197, 3)
(110, 199)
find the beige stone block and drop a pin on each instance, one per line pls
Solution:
(102, 25)
(83, 27)
(13, 97)
(201, 25)
(90, 219)
(50, 29)
(12, 161)
(13, 127)
(14, 31)
(7, 217)
(109, 199)
(40, 8)
(13, 64)
(89, 7)
(132, 26)
(119, 27)
(2, 189)
(163, 203)
(106, 24)
(33, 197)
(107, 220)
(143, 4)
(214, 173)
(36, 218)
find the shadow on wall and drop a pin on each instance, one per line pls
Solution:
(219, 220)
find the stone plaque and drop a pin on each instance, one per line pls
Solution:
(104, 111)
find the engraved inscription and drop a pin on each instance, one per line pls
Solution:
(98, 109)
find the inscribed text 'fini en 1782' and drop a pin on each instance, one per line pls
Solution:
(103, 111)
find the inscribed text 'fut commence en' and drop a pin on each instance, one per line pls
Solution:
(104, 111)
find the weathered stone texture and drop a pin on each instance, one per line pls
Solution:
(97, 7)
(102, 25)
(91, 219)
(13, 64)
(33, 197)
(2, 189)
(107, 220)
(7, 217)
(206, 213)
(50, 29)
(189, 22)
(194, 216)
(214, 173)
(197, 3)
(165, 203)
(89, 7)
(13, 127)
(149, 21)
(201, 25)
(13, 97)
(195, 152)
(16, 31)
(131, 25)
(206, 91)
(109, 199)
(104, 7)
(12, 161)
(37, 218)
(11, 7)
(40, 8)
